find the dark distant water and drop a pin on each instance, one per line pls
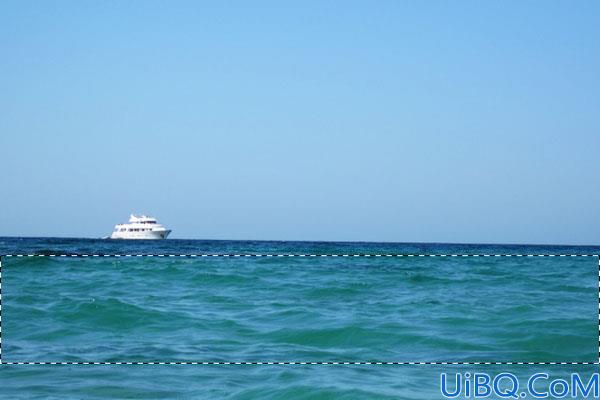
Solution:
(529, 309)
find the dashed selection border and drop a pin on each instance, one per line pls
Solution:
(258, 363)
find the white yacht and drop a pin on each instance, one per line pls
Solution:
(142, 227)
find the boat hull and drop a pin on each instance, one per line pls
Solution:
(147, 235)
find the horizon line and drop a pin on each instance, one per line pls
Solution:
(308, 241)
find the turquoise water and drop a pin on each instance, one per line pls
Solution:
(286, 309)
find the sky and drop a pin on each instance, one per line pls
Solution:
(401, 121)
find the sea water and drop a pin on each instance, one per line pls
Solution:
(289, 310)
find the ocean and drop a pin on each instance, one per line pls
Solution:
(394, 317)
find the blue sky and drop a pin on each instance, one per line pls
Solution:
(380, 121)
